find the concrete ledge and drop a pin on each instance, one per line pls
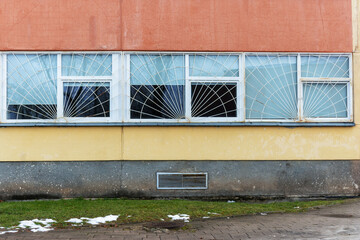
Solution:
(137, 179)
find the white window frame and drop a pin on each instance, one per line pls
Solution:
(120, 90)
(348, 81)
(187, 92)
(273, 119)
(115, 111)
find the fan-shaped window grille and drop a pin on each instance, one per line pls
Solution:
(214, 65)
(53, 86)
(325, 100)
(214, 85)
(213, 99)
(157, 86)
(271, 87)
(82, 98)
(325, 66)
(176, 87)
(31, 86)
(87, 99)
(325, 85)
(86, 64)
(181, 86)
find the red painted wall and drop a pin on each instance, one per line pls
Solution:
(180, 25)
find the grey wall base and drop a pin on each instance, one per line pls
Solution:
(137, 179)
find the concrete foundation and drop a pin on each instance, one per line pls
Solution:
(137, 179)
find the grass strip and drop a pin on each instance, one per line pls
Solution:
(139, 210)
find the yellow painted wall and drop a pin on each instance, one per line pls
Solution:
(178, 143)
(60, 143)
(189, 143)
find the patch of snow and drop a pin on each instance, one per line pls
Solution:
(74, 220)
(98, 220)
(263, 214)
(34, 225)
(179, 216)
(161, 219)
(206, 217)
(231, 201)
(11, 231)
(129, 216)
(297, 207)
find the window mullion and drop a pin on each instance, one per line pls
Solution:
(187, 89)
(299, 89)
(3, 86)
(114, 88)
(60, 107)
(242, 90)
(350, 90)
(126, 85)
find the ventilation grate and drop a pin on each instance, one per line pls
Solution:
(182, 180)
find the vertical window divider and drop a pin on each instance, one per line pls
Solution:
(187, 89)
(242, 87)
(350, 99)
(59, 90)
(299, 88)
(127, 88)
(3, 86)
(115, 104)
(122, 86)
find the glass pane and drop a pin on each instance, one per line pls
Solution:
(157, 86)
(87, 99)
(215, 99)
(214, 65)
(31, 86)
(86, 64)
(271, 87)
(325, 66)
(325, 100)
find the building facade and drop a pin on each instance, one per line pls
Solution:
(153, 98)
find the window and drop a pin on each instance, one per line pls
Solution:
(58, 87)
(31, 86)
(325, 84)
(215, 87)
(157, 84)
(271, 87)
(184, 87)
(152, 88)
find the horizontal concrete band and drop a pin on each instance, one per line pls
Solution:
(25, 180)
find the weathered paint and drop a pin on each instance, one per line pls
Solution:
(241, 143)
(179, 143)
(186, 25)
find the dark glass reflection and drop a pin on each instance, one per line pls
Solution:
(213, 99)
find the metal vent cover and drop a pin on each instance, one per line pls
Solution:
(178, 180)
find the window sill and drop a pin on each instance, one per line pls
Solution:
(193, 124)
